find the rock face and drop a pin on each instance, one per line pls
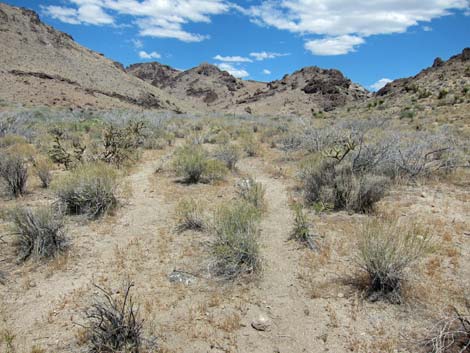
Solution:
(208, 87)
(43, 66)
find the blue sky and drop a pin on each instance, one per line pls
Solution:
(369, 41)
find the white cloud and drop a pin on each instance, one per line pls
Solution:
(153, 55)
(233, 59)
(154, 18)
(232, 70)
(427, 28)
(266, 72)
(265, 55)
(137, 43)
(380, 84)
(358, 19)
(333, 46)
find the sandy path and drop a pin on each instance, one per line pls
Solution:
(280, 297)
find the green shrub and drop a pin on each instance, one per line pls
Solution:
(190, 215)
(252, 192)
(14, 171)
(386, 251)
(90, 189)
(192, 163)
(229, 154)
(39, 233)
(442, 93)
(235, 249)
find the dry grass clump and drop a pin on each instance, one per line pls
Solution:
(193, 164)
(236, 249)
(301, 230)
(39, 233)
(252, 192)
(190, 215)
(229, 154)
(250, 145)
(90, 189)
(387, 251)
(14, 172)
(451, 334)
(113, 323)
(43, 168)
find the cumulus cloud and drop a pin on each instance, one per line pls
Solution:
(334, 46)
(154, 18)
(266, 72)
(153, 55)
(380, 84)
(137, 43)
(232, 70)
(358, 19)
(265, 55)
(233, 59)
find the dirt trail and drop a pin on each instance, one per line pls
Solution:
(280, 297)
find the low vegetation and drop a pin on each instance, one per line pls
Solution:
(39, 233)
(90, 190)
(252, 192)
(14, 172)
(113, 324)
(235, 248)
(387, 251)
(190, 215)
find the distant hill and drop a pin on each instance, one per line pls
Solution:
(41, 65)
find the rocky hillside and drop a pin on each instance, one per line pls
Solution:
(206, 87)
(444, 80)
(42, 66)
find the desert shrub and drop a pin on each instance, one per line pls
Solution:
(113, 324)
(62, 153)
(14, 171)
(193, 164)
(442, 93)
(336, 185)
(301, 230)
(121, 143)
(190, 162)
(10, 140)
(39, 233)
(451, 334)
(386, 251)
(235, 249)
(215, 170)
(252, 192)
(250, 145)
(229, 154)
(90, 189)
(42, 168)
(190, 215)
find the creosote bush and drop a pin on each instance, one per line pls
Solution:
(193, 164)
(14, 172)
(39, 233)
(387, 250)
(190, 215)
(236, 249)
(252, 192)
(113, 324)
(90, 189)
